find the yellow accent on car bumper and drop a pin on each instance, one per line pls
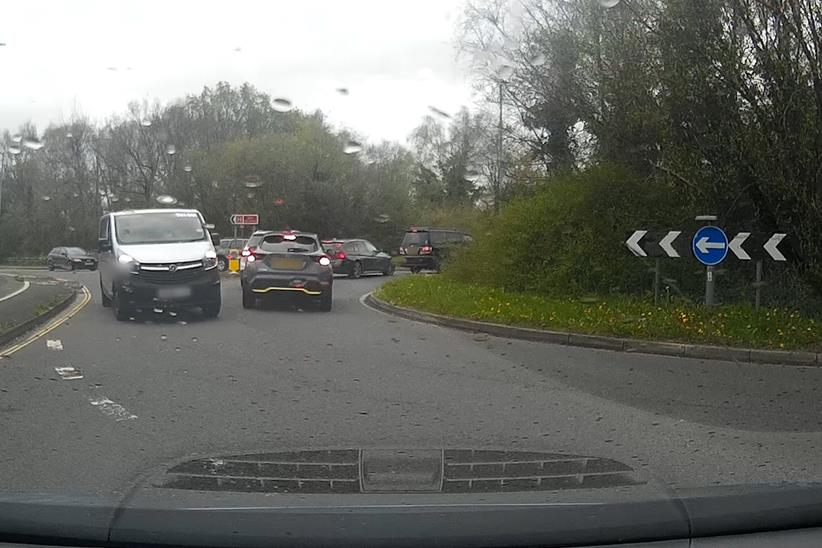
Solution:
(300, 289)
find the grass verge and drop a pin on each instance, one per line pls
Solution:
(620, 316)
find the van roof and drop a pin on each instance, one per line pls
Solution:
(156, 210)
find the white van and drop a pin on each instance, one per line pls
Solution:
(158, 259)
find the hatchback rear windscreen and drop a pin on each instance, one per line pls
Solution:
(415, 238)
(286, 243)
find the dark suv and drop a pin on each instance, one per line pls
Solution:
(357, 257)
(429, 248)
(288, 262)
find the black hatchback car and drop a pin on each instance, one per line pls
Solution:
(288, 262)
(71, 258)
(356, 257)
(428, 248)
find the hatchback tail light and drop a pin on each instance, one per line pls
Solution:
(425, 250)
(324, 260)
(340, 255)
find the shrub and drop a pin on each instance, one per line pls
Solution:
(568, 238)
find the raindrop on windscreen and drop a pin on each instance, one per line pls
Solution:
(112, 69)
(32, 144)
(14, 151)
(342, 91)
(71, 229)
(279, 202)
(383, 218)
(252, 181)
(504, 72)
(17, 138)
(370, 162)
(281, 105)
(127, 200)
(46, 198)
(238, 49)
(69, 135)
(165, 199)
(250, 195)
(608, 3)
(471, 175)
(158, 310)
(352, 147)
(194, 339)
(187, 168)
(146, 123)
(163, 337)
(171, 150)
(114, 199)
(438, 112)
(537, 60)
(75, 195)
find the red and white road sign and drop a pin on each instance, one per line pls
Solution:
(245, 219)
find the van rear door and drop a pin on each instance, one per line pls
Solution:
(414, 240)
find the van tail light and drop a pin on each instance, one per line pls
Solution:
(425, 250)
(341, 255)
(402, 251)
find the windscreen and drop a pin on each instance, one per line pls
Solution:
(639, 311)
(76, 251)
(278, 243)
(415, 239)
(159, 228)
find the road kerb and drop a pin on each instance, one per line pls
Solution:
(724, 353)
(20, 329)
(779, 356)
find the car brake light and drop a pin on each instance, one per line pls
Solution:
(247, 251)
(251, 258)
(341, 255)
(425, 250)
(325, 261)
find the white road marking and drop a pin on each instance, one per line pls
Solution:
(54, 344)
(69, 373)
(26, 285)
(113, 410)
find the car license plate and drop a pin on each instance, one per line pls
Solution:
(173, 292)
(287, 264)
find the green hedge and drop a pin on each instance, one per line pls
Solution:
(568, 238)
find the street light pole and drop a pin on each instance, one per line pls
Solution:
(498, 179)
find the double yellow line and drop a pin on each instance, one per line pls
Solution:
(52, 324)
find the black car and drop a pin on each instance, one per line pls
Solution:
(357, 257)
(288, 262)
(428, 248)
(71, 258)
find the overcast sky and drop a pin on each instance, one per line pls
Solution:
(93, 57)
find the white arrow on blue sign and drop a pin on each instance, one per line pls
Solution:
(710, 245)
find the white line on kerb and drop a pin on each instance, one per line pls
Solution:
(26, 285)
(113, 410)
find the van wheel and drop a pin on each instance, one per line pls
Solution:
(211, 310)
(106, 298)
(356, 271)
(121, 310)
(249, 299)
(415, 270)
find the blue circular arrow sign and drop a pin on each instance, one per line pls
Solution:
(710, 245)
